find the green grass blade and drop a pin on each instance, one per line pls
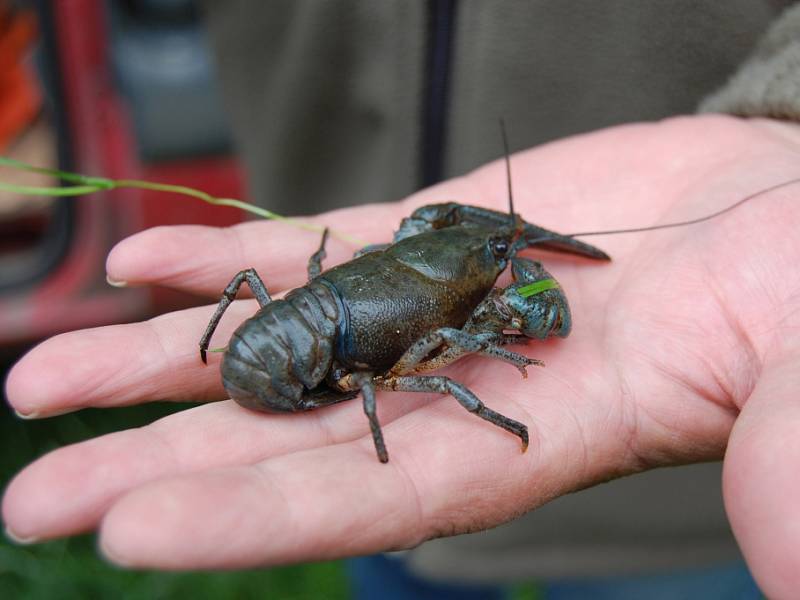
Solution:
(537, 287)
(89, 185)
(35, 190)
(101, 183)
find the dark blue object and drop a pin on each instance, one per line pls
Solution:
(380, 578)
(441, 18)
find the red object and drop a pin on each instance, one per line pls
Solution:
(75, 294)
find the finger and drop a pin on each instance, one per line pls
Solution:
(92, 474)
(203, 259)
(443, 477)
(317, 504)
(120, 365)
(760, 481)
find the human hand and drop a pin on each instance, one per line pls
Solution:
(685, 344)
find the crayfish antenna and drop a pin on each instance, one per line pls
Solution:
(516, 221)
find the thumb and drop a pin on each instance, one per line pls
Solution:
(761, 478)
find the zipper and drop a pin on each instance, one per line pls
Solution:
(441, 20)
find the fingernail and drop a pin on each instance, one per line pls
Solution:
(18, 539)
(115, 283)
(26, 416)
(41, 415)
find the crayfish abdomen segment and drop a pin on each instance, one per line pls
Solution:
(280, 355)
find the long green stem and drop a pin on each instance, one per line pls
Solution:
(89, 185)
(32, 190)
(201, 195)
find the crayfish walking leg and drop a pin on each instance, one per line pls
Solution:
(456, 343)
(228, 296)
(315, 260)
(445, 385)
(364, 380)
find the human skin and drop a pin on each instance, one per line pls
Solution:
(684, 348)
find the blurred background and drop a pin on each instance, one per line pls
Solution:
(122, 89)
(119, 88)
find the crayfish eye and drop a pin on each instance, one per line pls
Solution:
(499, 247)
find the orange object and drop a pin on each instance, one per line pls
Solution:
(20, 98)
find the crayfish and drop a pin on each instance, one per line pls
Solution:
(347, 331)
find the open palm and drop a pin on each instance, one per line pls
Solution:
(687, 343)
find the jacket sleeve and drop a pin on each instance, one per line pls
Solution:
(768, 82)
